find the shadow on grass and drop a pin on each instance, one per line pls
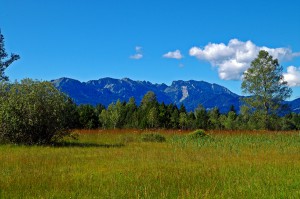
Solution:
(86, 145)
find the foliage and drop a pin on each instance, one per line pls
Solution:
(264, 82)
(87, 116)
(4, 62)
(153, 137)
(183, 120)
(214, 118)
(158, 115)
(202, 118)
(198, 134)
(33, 112)
(152, 114)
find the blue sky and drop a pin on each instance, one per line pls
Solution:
(157, 41)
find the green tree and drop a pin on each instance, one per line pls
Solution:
(183, 120)
(296, 120)
(182, 109)
(232, 108)
(5, 62)
(214, 118)
(72, 120)
(288, 122)
(153, 117)
(149, 100)
(104, 119)
(98, 110)
(243, 118)
(163, 116)
(33, 112)
(174, 118)
(191, 121)
(229, 121)
(114, 112)
(201, 117)
(130, 120)
(264, 82)
(87, 116)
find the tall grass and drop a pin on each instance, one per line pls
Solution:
(116, 164)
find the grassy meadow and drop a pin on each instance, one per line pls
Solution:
(118, 164)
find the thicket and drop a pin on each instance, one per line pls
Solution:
(34, 112)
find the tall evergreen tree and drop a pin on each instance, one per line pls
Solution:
(214, 118)
(131, 114)
(5, 62)
(201, 117)
(174, 116)
(87, 116)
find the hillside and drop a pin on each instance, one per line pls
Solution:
(190, 93)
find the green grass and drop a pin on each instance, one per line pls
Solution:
(120, 165)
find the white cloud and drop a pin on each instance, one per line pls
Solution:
(173, 55)
(138, 49)
(235, 58)
(138, 54)
(292, 76)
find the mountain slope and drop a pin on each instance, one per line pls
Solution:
(190, 93)
(107, 90)
(193, 93)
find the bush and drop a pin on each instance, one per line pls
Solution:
(198, 134)
(33, 112)
(153, 137)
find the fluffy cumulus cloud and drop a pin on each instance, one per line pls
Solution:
(173, 55)
(292, 76)
(234, 58)
(138, 53)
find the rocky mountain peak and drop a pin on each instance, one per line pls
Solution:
(190, 93)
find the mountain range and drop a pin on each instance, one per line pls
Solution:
(190, 93)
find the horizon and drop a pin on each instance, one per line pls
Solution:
(155, 41)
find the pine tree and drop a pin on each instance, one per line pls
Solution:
(264, 82)
(4, 62)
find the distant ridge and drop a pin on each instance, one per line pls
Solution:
(190, 93)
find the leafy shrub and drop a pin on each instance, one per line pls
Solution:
(33, 112)
(198, 134)
(153, 137)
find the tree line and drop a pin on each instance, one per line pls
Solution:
(152, 114)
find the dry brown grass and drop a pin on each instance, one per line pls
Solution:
(132, 131)
(178, 131)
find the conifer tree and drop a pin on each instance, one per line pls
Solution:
(264, 82)
(5, 62)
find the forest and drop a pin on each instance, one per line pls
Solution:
(152, 114)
